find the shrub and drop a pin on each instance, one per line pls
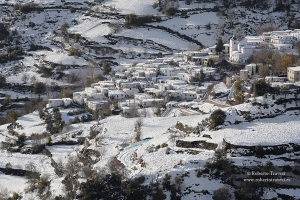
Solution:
(222, 193)
(261, 87)
(2, 80)
(259, 151)
(220, 161)
(28, 7)
(217, 118)
(3, 31)
(106, 68)
(155, 5)
(133, 19)
(74, 52)
(15, 196)
(164, 145)
(170, 11)
(46, 72)
(13, 115)
(39, 87)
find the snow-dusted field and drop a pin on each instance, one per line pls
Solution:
(92, 29)
(132, 6)
(12, 183)
(158, 36)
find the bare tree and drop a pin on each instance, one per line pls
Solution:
(91, 70)
(60, 168)
(33, 79)
(88, 171)
(219, 28)
(25, 77)
(193, 46)
(138, 129)
(239, 33)
(4, 193)
(72, 166)
(115, 26)
(231, 16)
(117, 167)
(102, 152)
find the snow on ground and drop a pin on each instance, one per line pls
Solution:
(158, 36)
(62, 58)
(61, 152)
(14, 95)
(13, 183)
(190, 26)
(19, 161)
(205, 107)
(92, 29)
(31, 124)
(220, 88)
(133, 6)
(118, 130)
(273, 131)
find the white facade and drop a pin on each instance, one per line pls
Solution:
(240, 51)
(116, 95)
(94, 104)
(271, 79)
(152, 102)
(293, 74)
(55, 103)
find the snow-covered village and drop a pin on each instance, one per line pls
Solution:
(149, 100)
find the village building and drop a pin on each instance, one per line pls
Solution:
(293, 74)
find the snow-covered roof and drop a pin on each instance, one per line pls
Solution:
(295, 69)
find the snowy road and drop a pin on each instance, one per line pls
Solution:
(125, 155)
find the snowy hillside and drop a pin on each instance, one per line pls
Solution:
(96, 103)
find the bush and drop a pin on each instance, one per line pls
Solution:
(2, 80)
(3, 31)
(74, 52)
(15, 196)
(133, 19)
(39, 87)
(46, 72)
(106, 68)
(164, 145)
(13, 115)
(222, 193)
(220, 161)
(261, 87)
(28, 7)
(170, 11)
(217, 118)
(155, 5)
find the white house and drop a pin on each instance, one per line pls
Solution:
(116, 95)
(95, 104)
(78, 97)
(152, 102)
(188, 95)
(58, 102)
(272, 79)
(55, 103)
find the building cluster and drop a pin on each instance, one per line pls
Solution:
(151, 83)
(291, 78)
(181, 76)
(240, 51)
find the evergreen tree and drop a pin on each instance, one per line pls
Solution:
(2, 80)
(217, 118)
(106, 68)
(220, 45)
